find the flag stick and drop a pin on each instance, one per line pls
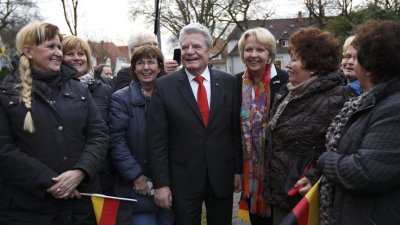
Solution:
(106, 196)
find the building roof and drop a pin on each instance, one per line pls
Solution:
(277, 27)
(103, 50)
(280, 28)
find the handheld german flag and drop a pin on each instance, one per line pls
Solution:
(110, 210)
(243, 210)
(306, 212)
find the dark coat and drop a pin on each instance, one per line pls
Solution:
(184, 154)
(124, 78)
(128, 135)
(366, 168)
(101, 90)
(70, 134)
(129, 143)
(299, 133)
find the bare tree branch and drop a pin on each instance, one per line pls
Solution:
(72, 23)
(220, 16)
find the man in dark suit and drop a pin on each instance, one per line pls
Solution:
(195, 150)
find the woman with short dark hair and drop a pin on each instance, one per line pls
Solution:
(128, 111)
(301, 114)
(361, 167)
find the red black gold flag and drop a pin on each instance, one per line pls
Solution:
(243, 210)
(306, 212)
(111, 210)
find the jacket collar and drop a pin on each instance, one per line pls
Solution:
(322, 83)
(135, 94)
(380, 92)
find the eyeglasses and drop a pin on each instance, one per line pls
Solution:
(349, 56)
(142, 63)
(147, 43)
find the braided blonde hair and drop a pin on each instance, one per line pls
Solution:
(31, 35)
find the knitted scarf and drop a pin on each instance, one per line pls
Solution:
(333, 135)
(254, 117)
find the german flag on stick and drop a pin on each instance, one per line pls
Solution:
(306, 212)
(110, 210)
(243, 210)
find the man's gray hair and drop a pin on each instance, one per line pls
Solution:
(197, 28)
(139, 34)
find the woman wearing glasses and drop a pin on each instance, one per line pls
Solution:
(128, 136)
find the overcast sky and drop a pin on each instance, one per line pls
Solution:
(96, 17)
(107, 16)
(108, 19)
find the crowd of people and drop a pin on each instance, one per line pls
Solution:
(176, 138)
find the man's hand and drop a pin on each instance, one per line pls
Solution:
(170, 66)
(163, 197)
(237, 183)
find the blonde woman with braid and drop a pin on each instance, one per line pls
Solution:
(52, 139)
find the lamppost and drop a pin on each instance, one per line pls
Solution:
(157, 22)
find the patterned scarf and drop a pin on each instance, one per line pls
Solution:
(326, 194)
(254, 117)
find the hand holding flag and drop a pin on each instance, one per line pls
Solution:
(306, 212)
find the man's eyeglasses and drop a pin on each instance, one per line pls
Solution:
(142, 63)
(349, 56)
(147, 43)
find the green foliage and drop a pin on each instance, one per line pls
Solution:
(5, 65)
(4, 71)
(343, 26)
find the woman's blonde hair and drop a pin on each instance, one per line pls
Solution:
(72, 42)
(32, 34)
(264, 36)
(347, 43)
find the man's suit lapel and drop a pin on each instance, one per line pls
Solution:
(215, 92)
(186, 91)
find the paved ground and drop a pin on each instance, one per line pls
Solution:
(235, 220)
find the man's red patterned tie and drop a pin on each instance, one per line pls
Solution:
(202, 99)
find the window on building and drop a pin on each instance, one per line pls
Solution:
(285, 43)
(94, 62)
(278, 64)
(215, 58)
(118, 64)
